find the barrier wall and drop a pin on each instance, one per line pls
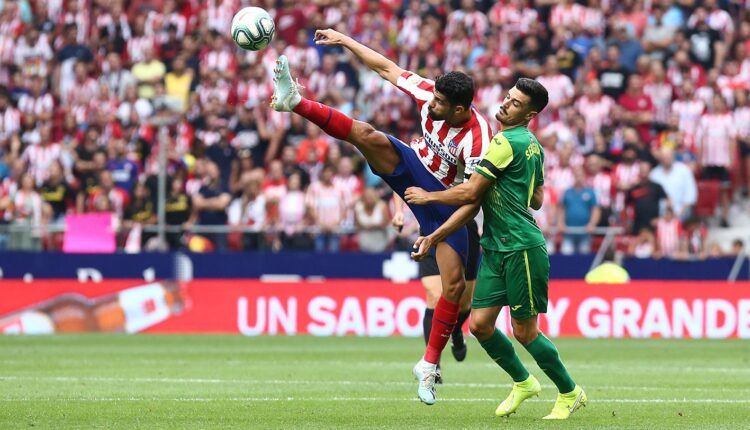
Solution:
(359, 307)
(305, 265)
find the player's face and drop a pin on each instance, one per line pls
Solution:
(515, 109)
(439, 108)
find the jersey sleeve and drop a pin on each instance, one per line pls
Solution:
(498, 157)
(416, 87)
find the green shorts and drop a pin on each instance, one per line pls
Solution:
(518, 279)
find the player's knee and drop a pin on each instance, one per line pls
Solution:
(362, 133)
(481, 329)
(453, 290)
(523, 334)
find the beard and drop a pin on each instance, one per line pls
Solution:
(434, 116)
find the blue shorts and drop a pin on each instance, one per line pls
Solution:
(410, 172)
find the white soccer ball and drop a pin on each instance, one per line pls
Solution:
(252, 28)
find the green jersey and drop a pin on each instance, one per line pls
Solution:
(515, 162)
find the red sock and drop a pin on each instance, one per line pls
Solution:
(443, 321)
(333, 122)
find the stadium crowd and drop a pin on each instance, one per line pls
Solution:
(648, 126)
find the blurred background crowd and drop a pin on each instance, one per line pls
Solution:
(648, 126)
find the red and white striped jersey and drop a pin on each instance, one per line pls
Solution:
(80, 93)
(475, 23)
(545, 216)
(327, 203)
(220, 90)
(220, 14)
(28, 104)
(449, 153)
(560, 88)
(560, 179)
(563, 15)
(513, 18)
(351, 184)
(626, 175)
(602, 185)
(714, 138)
(668, 234)
(7, 49)
(220, 60)
(689, 113)
(39, 158)
(321, 83)
(10, 122)
(593, 20)
(32, 59)
(661, 96)
(307, 55)
(137, 45)
(254, 91)
(741, 117)
(719, 20)
(595, 113)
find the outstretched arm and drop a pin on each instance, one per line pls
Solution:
(459, 218)
(386, 68)
(467, 193)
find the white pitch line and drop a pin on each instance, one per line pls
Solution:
(337, 382)
(343, 399)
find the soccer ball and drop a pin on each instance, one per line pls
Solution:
(252, 28)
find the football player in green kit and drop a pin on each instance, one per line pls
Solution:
(515, 269)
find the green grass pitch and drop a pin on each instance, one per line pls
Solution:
(154, 382)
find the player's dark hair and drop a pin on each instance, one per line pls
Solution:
(458, 87)
(536, 92)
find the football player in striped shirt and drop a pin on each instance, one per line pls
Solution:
(449, 149)
(436, 161)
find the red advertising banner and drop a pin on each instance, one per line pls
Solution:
(361, 308)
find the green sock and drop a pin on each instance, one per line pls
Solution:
(500, 350)
(548, 359)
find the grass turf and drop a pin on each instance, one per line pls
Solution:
(129, 382)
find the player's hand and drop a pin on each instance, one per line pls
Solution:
(329, 37)
(416, 196)
(422, 247)
(398, 221)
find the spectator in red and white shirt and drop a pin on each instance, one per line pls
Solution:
(37, 103)
(689, 110)
(602, 183)
(327, 206)
(716, 141)
(668, 235)
(26, 211)
(626, 174)
(595, 108)
(560, 88)
(636, 108)
(302, 56)
(249, 210)
(660, 91)
(327, 77)
(40, 156)
(33, 53)
(565, 13)
(10, 117)
(473, 21)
